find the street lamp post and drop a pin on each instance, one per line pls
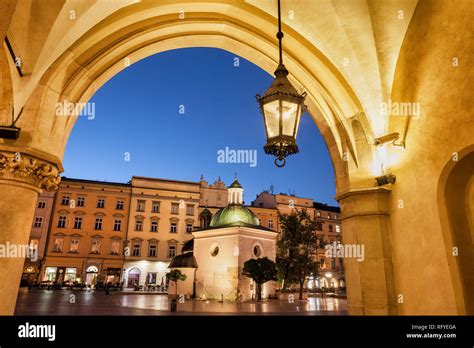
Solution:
(282, 107)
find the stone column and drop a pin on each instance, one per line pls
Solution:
(365, 222)
(22, 177)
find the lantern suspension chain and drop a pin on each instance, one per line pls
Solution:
(280, 33)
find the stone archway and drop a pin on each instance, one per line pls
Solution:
(145, 29)
(456, 206)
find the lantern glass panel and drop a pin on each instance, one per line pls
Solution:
(272, 118)
(289, 117)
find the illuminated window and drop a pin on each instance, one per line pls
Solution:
(70, 274)
(95, 246)
(338, 228)
(115, 247)
(58, 245)
(50, 274)
(74, 246)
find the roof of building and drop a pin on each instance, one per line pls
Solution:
(325, 207)
(186, 260)
(235, 184)
(188, 245)
(233, 215)
(240, 224)
(66, 179)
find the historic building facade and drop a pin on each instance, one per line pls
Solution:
(128, 233)
(163, 214)
(88, 232)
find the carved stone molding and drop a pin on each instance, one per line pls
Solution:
(29, 170)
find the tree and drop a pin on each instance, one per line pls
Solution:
(260, 270)
(175, 276)
(296, 246)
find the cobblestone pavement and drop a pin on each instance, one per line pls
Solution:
(66, 302)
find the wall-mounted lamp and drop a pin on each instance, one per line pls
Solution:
(11, 132)
(392, 137)
(386, 179)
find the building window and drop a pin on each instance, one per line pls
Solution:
(81, 201)
(70, 275)
(171, 251)
(78, 223)
(50, 274)
(189, 209)
(318, 214)
(138, 225)
(115, 247)
(117, 225)
(330, 228)
(38, 221)
(152, 250)
(257, 250)
(321, 262)
(62, 222)
(259, 221)
(41, 205)
(58, 245)
(270, 223)
(189, 228)
(101, 203)
(174, 227)
(119, 205)
(95, 247)
(136, 249)
(333, 263)
(329, 216)
(154, 226)
(98, 223)
(74, 246)
(174, 208)
(338, 228)
(65, 200)
(155, 207)
(141, 206)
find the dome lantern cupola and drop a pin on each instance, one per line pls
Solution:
(235, 193)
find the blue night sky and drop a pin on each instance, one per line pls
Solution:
(138, 111)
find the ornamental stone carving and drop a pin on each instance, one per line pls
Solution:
(28, 169)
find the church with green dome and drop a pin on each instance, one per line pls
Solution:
(213, 260)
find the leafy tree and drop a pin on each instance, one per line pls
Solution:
(260, 270)
(175, 276)
(296, 246)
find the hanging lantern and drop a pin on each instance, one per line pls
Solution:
(282, 107)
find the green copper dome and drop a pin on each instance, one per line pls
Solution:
(234, 215)
(235, 184)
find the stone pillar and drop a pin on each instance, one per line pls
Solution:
(22, 177)
(365, 222)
